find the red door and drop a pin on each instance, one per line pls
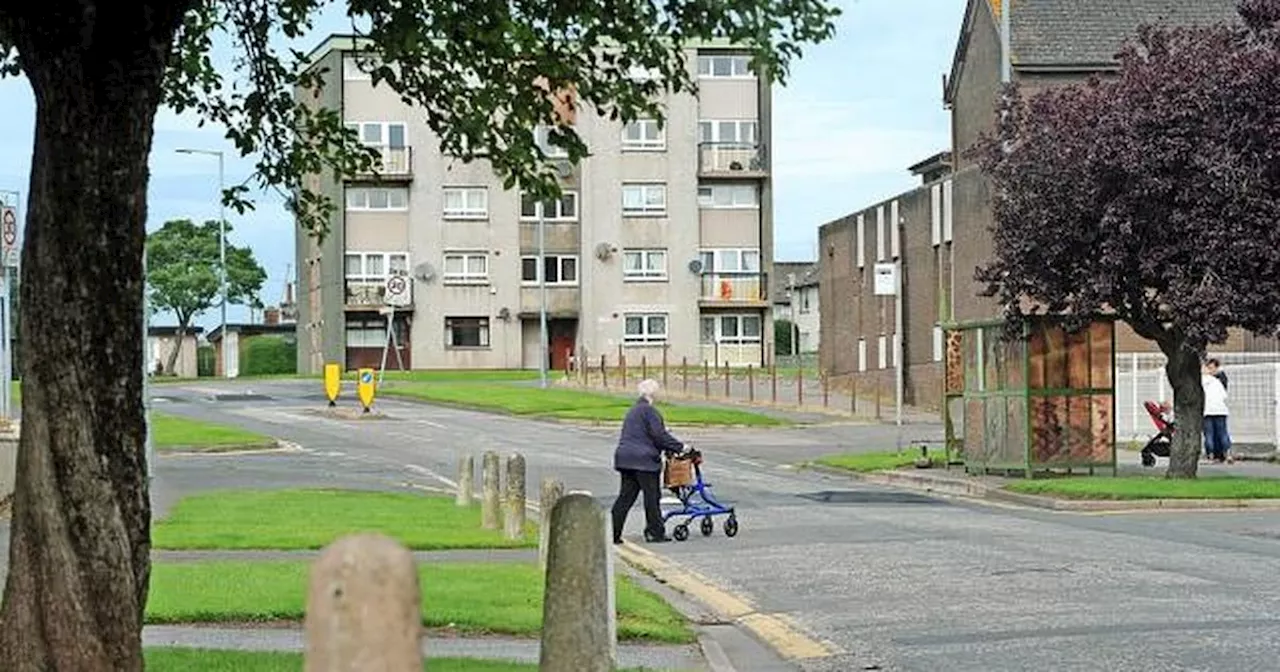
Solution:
(561, 351)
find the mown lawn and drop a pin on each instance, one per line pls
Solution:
(866, 462)
(171, 432)
(311, 519)
(1149, 487)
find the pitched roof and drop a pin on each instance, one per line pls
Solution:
(806, 275)
(1090, 32)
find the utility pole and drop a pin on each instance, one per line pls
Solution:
(542, 291)
(10, 199)
(222, 247)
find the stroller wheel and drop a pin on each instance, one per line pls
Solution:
(1148, 460)
(708, 526)
(681, 532)
(731, 526)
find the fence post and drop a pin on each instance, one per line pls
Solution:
(514, 518)
(706, 380)
(364, 607)
(684, 375)
(622, 370)
(1275, 393)
(727, 376)
(579, 626)
(800, 386)
(644, 367)
(664, 365)
(466, 479)
(751, 385)
(489, 494)
(826, 386)
(604, 373)
(773, 376)
(853, 394)
(1133, 383)
(552, 491)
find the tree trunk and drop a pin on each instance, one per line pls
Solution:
(80, 532)
(1183, 372)
(169, 366)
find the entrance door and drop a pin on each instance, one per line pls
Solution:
(563, 335)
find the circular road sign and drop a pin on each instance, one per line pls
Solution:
(10, 228)
(396, 285)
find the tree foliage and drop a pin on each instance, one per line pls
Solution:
(1154, 194)
(183, 260)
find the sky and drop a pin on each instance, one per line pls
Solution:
(855, 113)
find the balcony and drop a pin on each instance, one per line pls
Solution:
(736, 289)
(396, 165)
(367, 295)
(732, 159)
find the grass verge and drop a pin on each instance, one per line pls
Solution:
(171, 432)
(217, 660)
(473, 598)
(1144, 487)
(877, 461)
(311, 519)
(568, 404)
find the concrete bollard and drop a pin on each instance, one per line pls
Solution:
(466, 479)
(514, 518)
(578, 619)
(364, 608)
(489, 498)
(552, 491)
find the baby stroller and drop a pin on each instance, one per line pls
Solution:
(683, 477)
(1159, 445)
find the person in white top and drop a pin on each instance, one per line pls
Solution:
(1217, 442)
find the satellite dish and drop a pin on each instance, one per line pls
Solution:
(564, 168)
(695, 266)
(504, 314)
(604, 251)
(424, 272)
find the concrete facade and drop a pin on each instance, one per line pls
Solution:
(162, 340)
(627, 270)
(943, 226)
(794, 288)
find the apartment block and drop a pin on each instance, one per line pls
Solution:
(660, 246)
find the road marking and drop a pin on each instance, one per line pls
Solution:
(429, 424)
(714, 653)
(775, 629)
(417, 468)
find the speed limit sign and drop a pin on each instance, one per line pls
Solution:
(397, 291)
(9, 233)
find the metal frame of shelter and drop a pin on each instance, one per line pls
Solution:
(1043, 403)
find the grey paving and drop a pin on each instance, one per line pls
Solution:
(672, 658)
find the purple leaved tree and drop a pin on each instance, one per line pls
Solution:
(1153, 194)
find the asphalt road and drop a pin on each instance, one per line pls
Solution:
(893, 580)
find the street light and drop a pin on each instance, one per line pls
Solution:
(222, 247)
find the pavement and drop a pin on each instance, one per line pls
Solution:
(835, 574)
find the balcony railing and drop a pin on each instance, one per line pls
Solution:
(732, 158)
(734, 287)
(396, 164)
(373, 293)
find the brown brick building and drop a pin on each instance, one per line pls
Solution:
(939, 230)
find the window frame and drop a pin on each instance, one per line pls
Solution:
(739, 66)
(646, 338)
(643, 144)
(465, 277)
(484, 332)
(709, 203)
(384, 133)
(540, 269)
(465, 213)
(365, 277)
(540, 209)
(644, 274)
(711, 258)
(740, 319)
(713, 138)
(368, 191)
(645, 210)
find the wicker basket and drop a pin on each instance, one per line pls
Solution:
(677, 473)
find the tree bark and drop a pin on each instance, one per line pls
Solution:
(183, 325)
(80, 532)
(1183, 372)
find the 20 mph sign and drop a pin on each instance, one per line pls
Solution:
(397, 291)
(9, 231)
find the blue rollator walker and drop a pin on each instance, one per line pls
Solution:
(685, 486)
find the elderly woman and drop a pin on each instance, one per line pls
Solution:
(638, 459)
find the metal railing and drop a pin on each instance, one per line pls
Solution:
(734, 287)
(731, 158)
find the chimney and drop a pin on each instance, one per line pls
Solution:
(271, 316)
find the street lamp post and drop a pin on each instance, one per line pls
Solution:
(543, 351)
(222, 248)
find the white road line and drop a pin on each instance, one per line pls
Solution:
(417, 468)
(429, 424)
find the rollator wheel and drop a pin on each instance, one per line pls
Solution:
(731, 526)
(681, 532)
(708, 526)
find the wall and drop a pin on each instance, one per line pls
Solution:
(161, 347)
(977, 84)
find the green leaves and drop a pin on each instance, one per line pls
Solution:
(182, 269)
(482, 75)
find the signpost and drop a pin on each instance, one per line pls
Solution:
(888, 282)
(10, 254)
(395, 294)
(365, 388)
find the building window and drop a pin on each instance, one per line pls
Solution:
(862, 354)
(937, 343)
(371, 332)
(730, 261)
(882, 351)
(375, 266)
(644, 199)
(466, 203)
(466, 332)
(728, 131)
(729, 196)
(644, 264)
(642, 328)
(730, 329)
(563, 210)
(377, 198)
(644, 135)
(805, 293)
(542, 136)
(725, 66)
(466, 268)
(381, 134)
(558, 269)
